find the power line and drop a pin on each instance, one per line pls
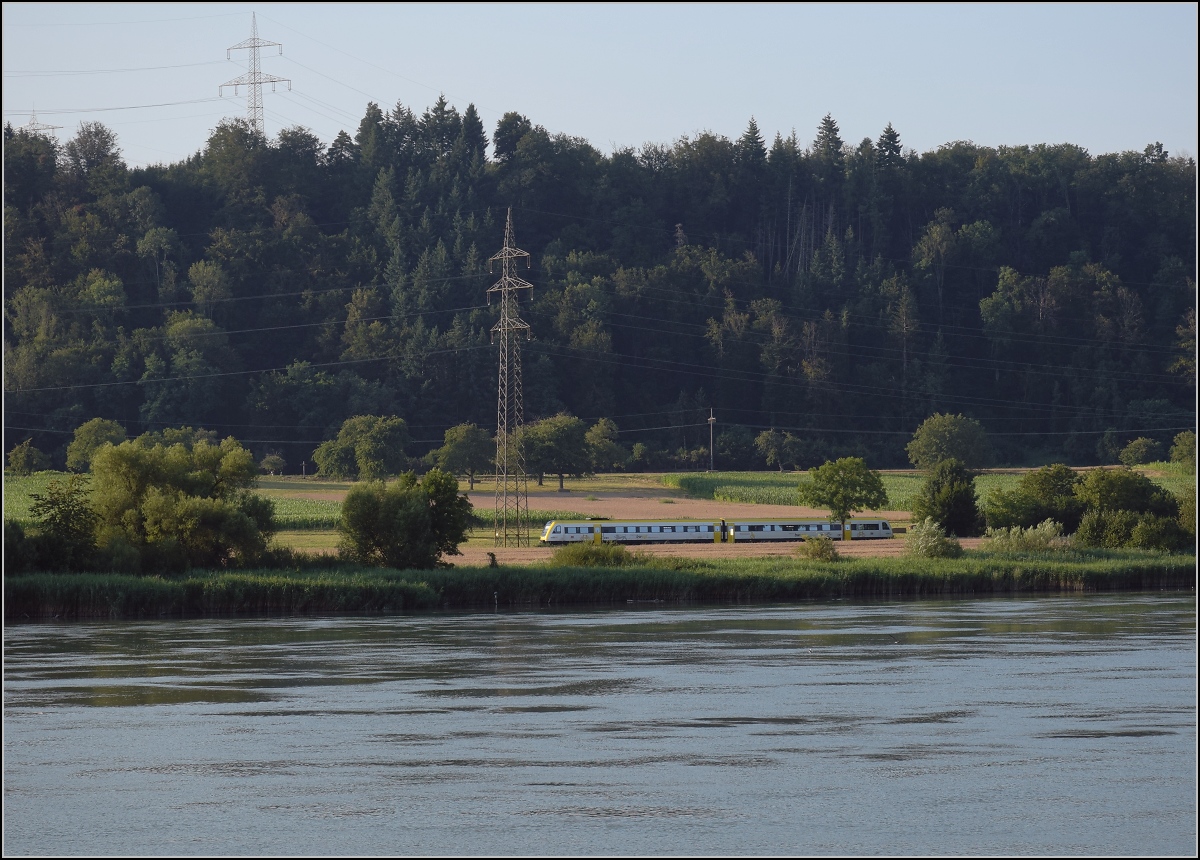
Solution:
(123, 107)
(68, 72)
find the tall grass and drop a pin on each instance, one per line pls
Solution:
(658, 578)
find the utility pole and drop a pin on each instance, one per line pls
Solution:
(711, 421)
(512, 483)
(254, 79)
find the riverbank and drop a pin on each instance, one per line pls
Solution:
(47, 596)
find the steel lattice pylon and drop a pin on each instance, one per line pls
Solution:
(512, 484)
(35, 127)
(254, 79)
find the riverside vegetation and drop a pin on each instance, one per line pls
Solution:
(1018, 561)
(614, 580)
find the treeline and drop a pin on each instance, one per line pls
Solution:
(837, 294)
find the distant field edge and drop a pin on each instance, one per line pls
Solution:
(59, 597)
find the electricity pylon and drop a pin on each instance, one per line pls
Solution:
(254, 79)
(512, 483)
(35, 127)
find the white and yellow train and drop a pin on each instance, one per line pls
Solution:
(686, 531)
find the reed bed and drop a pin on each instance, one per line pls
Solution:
(357, 590)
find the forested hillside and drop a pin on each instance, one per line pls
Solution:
(839, 291)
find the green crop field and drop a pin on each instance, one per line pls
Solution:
(296, 510)
(779, 488)
(19, 490)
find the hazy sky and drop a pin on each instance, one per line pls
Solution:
(1108, 77)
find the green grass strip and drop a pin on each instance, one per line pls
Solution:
(357, 590)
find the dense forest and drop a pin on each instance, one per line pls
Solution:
(837, 292)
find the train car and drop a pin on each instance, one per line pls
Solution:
(743, 531)
(557, 532)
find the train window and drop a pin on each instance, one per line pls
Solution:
(558, 529)
(607, 529)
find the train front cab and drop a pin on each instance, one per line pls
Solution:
(560, 532)
(868, 530)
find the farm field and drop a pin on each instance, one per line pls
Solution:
(308, 508)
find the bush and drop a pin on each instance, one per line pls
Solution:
(405, 525)
(927, 539)
(1139, 451)
(1160, 533)
(272, 464)
(818, 549)
(1106, 528)
(24, 459)
(1044, 494)
(1184, 448)
(178, 505)
(1187, 509)
(947, 496)
(592, 555)
(1047, 536)
(18, 550)
(1125, 490)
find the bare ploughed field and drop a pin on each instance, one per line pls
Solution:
(648, 504)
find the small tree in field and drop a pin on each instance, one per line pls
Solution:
(272, 464)
(556, 446)
(367, 447)
(843, 486)
(466, 450)
(66, 524)
(941, 437)
(1139, 451)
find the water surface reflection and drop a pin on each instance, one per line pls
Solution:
(1046, 726)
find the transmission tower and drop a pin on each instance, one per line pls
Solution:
(35, 127)
(512, 484)
(254, 79)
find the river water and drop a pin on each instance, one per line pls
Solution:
(1048, 726)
